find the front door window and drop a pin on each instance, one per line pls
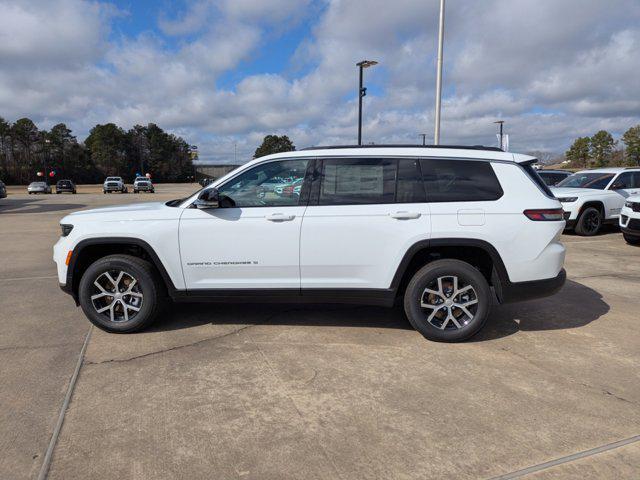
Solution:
(272, 184)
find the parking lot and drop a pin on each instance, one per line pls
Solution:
(336, 392)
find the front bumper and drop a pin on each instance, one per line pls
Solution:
(521, 291)
(630, 225)
(143, 187)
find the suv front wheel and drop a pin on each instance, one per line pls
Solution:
(447, 300)
(589, 222)
(120, 293)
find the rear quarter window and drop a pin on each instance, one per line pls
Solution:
(459, 181)
(533, 175)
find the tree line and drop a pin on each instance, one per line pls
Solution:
(108, 150)
(600, 150)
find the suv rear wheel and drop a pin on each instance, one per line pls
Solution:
(120, 293)
(447, 300)
(589, 222)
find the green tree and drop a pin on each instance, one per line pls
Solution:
(107, 145)
(25, 135)
(578, 153)
(274, 144)
(601, 147)
(5, 150)
(631, 139)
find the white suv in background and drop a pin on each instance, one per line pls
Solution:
(591, 198)
(445, 230)
(630, 220)
(114, 184)
(143, 184)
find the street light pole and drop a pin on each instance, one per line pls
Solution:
(436, 134)
(424, 138)
(362, 91)
(47, 142)
(501, 123)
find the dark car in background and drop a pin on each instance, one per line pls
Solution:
(553, 177)
(65, 186)
(3, 190)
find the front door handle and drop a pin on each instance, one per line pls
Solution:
(404, 215)
(280, 217)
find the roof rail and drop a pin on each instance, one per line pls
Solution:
(459, 147)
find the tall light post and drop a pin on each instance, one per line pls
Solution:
(424, 138)
(501, 123)
(47, 143)
(436, 133)
(362, 91)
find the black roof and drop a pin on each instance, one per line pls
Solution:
(458, 147)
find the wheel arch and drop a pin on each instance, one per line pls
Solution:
(89, 250)
(599, 204)
(479, 253)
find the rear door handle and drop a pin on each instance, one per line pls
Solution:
(280, 217)
(404, 215)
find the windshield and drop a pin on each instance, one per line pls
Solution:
(113, 179)
(595, 180)
(142, 179)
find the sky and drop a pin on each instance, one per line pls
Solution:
(224, 73)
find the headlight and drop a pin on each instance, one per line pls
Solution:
(66, 229)
(567, 199)
(628, 204)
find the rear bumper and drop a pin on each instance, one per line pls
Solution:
(521, 291)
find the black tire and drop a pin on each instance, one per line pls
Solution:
(589, 222)
(57, 193)
(631, 239)
(461, 327)
(148, 284)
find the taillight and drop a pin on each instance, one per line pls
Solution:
(545, 215)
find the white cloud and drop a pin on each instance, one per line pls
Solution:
(553, 70)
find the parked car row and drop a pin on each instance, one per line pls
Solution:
(593, 198)
(116, 184)
(110, 185)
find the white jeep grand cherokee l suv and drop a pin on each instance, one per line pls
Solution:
(591, 198)
(444, 229)
(630, 220)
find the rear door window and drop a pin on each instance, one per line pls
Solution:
(355, 181)
(460, 181)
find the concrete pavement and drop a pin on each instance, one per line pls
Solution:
(233, 391)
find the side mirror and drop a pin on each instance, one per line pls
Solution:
(208, 198)
(618, 186)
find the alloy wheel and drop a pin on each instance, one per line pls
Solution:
(592, 222)
(117, 296)
(449, 303)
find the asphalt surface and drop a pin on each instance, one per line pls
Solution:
(273, 392)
